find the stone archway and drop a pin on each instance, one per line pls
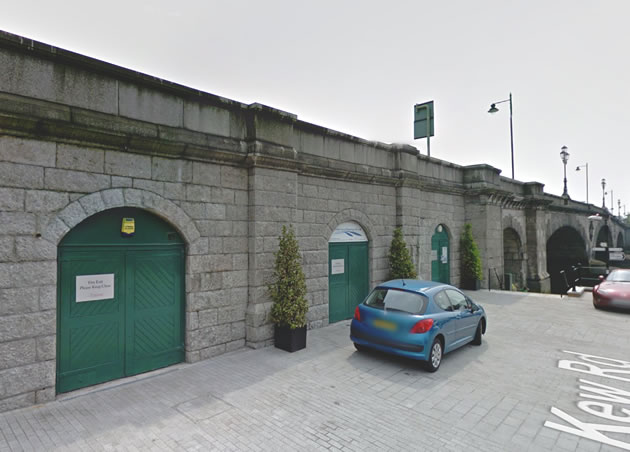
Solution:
(88, 205)
(513, 260)
(604, 236)
(121, 298)
(441, 254)
(565, 248)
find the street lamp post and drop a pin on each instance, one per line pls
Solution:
(578, 169)
(603, 193)
(494, 109)
(564, 155)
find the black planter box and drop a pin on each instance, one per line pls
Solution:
(290, 340)
(471, 284)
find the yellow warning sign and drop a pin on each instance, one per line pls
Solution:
(128, 226)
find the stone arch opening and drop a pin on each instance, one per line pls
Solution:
(513, 259)
(565, 248)
(604, 236)
(441, 254)
(88, 205)
(121, 297)
(348, 270)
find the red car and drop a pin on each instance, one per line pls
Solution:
(613, 291)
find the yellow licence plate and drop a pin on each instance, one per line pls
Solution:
(384, 324)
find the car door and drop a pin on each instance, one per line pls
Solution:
(466, 322)
(446, 319)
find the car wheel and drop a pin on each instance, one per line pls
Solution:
(435, 356)
(477, 339)
(359, 347)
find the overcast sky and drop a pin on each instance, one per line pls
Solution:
(359, 67)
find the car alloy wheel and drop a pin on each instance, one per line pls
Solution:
(435, 358)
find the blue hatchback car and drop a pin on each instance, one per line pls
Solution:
(421, 320)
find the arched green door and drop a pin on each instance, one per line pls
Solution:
(440, 256)
(348, 276)
(120, 299)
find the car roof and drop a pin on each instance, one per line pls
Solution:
(415, 285)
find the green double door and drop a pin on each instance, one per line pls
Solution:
(348, 280)
(120, 310)
(440, 256)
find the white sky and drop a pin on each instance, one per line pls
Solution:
(359, 66)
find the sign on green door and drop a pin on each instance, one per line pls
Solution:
(348, 276)
(120, 299)
(440, 256)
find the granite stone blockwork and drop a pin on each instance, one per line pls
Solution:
(79, 136)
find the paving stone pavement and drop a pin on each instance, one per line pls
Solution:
(495, 397)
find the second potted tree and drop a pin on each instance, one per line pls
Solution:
(471, 273)
(288, 293)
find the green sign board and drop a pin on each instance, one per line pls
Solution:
(423, 120)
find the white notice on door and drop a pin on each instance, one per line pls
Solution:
(95, 287)
(336, 266)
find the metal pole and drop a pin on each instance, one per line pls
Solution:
(428, 131)
(511, 136)
(612, 203)
(607, 245)
(565, 179)
(587, 183)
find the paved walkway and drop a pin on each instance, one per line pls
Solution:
(328, 397)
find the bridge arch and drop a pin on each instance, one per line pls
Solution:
(566, 247)
(604, 236)
(620, 241)
(513, 256)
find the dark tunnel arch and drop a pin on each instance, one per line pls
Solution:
(604, 236)
(565, 248)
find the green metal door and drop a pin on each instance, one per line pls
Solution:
(440, 256)
(348, 281)
(120, 299)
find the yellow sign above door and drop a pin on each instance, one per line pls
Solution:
(128, 226)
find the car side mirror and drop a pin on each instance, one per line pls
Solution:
(601, 277)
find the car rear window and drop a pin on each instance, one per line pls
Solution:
(397, 300)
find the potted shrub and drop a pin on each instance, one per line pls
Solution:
(287, 291)
(471, 273)
(400, 263)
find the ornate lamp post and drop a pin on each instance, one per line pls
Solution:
(494, 109)
(564, 155)
(578, 169)
(603, 193)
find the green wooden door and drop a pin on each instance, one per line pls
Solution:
(139, 324)
(154, 310)
(440, 256)
(91, 333)
(348, 280)
(337, 281)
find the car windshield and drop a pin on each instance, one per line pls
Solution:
(397, 300)
(619, 276)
